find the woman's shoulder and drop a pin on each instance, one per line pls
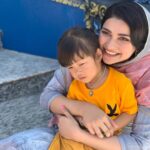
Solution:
(116, 73)
(119, 77)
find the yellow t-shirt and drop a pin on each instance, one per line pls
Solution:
(115, 96)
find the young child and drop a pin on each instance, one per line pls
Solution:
(94, 82)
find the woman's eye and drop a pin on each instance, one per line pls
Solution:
(104, 32)
(124, 39)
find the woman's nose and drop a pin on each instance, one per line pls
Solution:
(111, 44)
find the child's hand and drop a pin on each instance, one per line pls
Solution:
(97, 122)
(68, 126)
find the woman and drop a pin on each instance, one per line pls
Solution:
(124, 40)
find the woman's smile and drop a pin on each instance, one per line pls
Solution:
(111, 53)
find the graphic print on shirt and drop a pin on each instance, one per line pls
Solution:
(112, 110)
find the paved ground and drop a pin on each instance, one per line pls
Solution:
(20, 114)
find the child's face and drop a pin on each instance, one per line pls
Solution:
(115, 41)
(85, 69)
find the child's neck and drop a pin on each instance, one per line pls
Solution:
(99, 79)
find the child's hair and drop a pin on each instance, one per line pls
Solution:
(76, 41)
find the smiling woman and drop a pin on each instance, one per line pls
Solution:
(114, 41)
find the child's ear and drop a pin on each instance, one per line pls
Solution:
(98, 53)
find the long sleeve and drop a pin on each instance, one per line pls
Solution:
(57, 86)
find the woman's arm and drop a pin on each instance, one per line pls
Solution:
(52, 98)
(97, 143)
(94, 119)
(53, 95)
(69, 128)
(57, 87)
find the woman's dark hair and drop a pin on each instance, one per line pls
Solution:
(134, 16)
(76, 41)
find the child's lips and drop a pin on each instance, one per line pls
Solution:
(82, 78)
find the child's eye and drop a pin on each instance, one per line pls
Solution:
(81, 64)
(70, 67)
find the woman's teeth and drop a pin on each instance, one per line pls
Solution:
(111, 53)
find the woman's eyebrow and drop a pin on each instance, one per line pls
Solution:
(120, 34)
(106, 29)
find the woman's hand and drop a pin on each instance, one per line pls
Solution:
(68, 126)
(97, 122)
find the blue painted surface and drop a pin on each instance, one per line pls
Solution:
(34, 26)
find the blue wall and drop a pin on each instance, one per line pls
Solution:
(34, 26)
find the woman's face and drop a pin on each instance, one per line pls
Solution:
(115, 41)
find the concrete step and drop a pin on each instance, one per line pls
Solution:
(20, 114)
(23, 74)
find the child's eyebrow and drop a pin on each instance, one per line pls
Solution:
(81, 61)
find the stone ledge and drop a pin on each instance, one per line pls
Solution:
(23, 74)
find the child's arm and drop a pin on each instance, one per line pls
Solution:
(128, 105)
(123, 119)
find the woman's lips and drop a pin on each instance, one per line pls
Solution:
(111, 53)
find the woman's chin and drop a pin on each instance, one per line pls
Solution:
(108, 62)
